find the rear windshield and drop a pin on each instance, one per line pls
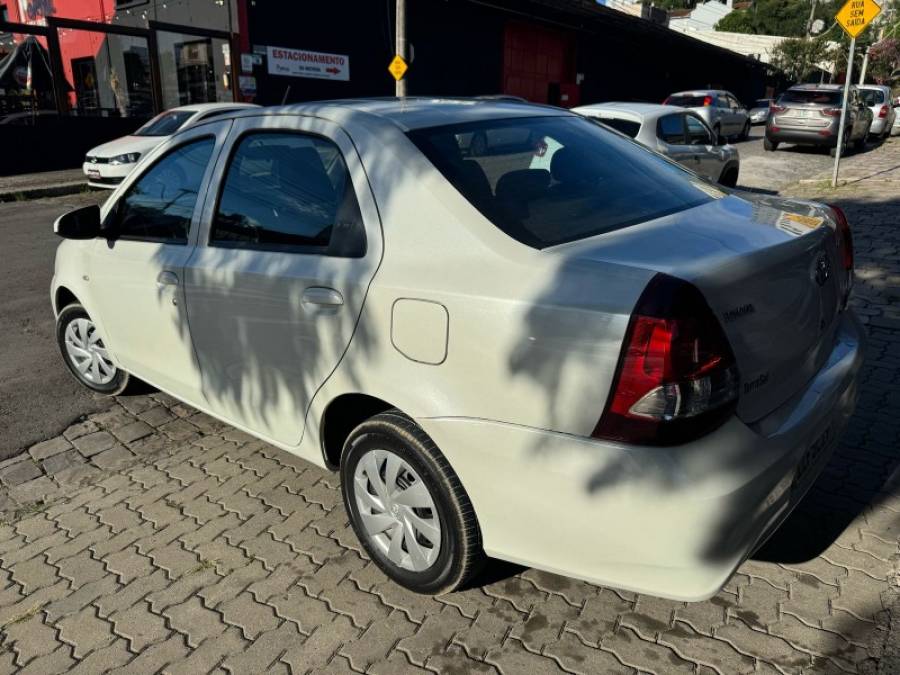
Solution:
(871, 96)
(549, 180)
(627, 127)
(762, 103)
(688, 100)
(164, 124)
(822, 96)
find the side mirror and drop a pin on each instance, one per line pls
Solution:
(83, 223)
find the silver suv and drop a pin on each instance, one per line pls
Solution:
(810, 114)
(720, 109)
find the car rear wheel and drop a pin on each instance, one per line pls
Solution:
(729, 177)
(845, 147)
(745, 134)
(770, 146)
(859, 145)
(408, 507)
(85, 354)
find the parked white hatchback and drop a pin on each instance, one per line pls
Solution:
(600, 365)
(107, 165)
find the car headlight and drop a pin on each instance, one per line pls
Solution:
(127, 158)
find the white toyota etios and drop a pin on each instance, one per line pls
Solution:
(515, 333)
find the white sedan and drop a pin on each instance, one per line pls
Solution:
(601, 365)
(107, 165)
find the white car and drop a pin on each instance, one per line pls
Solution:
(605, 367)
(107, 165)
(878, 98)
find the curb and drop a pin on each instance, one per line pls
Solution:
(26, 194)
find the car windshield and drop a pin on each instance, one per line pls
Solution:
(627, 127)
(688, 100)
(871, 96)
(762, 103)
(165, 124)
(821, 96)
(549, 180)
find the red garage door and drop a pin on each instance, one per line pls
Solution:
(538, 63)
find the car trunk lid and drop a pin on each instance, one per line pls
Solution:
(768, 268)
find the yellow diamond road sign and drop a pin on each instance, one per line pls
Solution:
(855, 15)
(398, 67)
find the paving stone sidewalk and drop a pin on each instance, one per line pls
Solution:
(153, 538)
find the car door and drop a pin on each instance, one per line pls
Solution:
(737, 114)
(135, 274)
(700, 139)
(670, 131)
(276, 286)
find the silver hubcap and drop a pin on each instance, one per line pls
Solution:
(397, 511)
(88, 353)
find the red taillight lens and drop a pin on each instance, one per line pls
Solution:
(844, 237)
(707, 100)
(831, 112)
(666, 101)
(883, 112)
(777, 109)
(677, 379)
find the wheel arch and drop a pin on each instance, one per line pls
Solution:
(62, 298)
(342, 415)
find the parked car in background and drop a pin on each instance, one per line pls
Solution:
(895, 127)
(107, 165)
(721, 110)
(878, 98)
(608, 368)
(674, 132)
(759, 113)
(810, 114)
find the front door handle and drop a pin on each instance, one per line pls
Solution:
(323, 297)
(167, 278)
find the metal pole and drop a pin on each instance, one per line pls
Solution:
(865, 65)
(840, 140)
(401, 43)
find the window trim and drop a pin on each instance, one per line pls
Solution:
(115, 211)
(293, 249)
(687, 134)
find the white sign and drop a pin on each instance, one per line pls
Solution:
(302, 63)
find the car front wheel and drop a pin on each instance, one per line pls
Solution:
(85, 353)
(408, 507)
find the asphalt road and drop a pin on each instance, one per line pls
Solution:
(38, 397)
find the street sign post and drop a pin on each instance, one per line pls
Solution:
(853, 17)
(398, 68)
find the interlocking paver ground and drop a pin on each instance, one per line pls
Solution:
(150, 537)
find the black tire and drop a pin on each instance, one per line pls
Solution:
(846, 147)
(860, 144)
(729, 177)
(769, 146)
(745, 134)
(120, 379)
(460, 556)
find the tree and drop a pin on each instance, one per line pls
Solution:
(884, 59)
(798, 56)
(777, 17)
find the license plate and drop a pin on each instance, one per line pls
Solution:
(93, 173)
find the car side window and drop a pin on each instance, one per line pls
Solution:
(670, 129)
(722, 101)
(288, 192)
(158, 207)
(697, 132)
(733, 103)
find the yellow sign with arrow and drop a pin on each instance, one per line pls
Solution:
(855, 15)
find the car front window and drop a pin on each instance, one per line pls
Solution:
(571, 180)
(165, 124)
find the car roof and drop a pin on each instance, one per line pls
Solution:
(699, 92)
(415, 112)
(633, 109)
(204, 107)
(880, 87)
(813, 87)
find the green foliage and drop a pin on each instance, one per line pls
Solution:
(777, 17)
(797, 57)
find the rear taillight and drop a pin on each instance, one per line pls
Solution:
(666, 101)
(844, 237)
(831, 112)
(883, 112)
(677, 378)
(707, 100)
(777, 109)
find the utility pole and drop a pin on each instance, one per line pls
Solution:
(865, 63)
(812, 15)
(401, 43)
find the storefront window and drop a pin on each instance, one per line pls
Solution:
(193, 69)
(26, 79)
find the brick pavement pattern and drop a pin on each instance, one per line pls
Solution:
(153, 538)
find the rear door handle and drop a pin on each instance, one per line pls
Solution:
(167, 278)
(323, 297)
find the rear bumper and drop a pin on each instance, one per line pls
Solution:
(803, 136)
(879, 124)
(673, 522)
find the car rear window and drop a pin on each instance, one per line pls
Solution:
(871, 96)
(562, 179)
(820, 96)
(688, 100)
(628, 127)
